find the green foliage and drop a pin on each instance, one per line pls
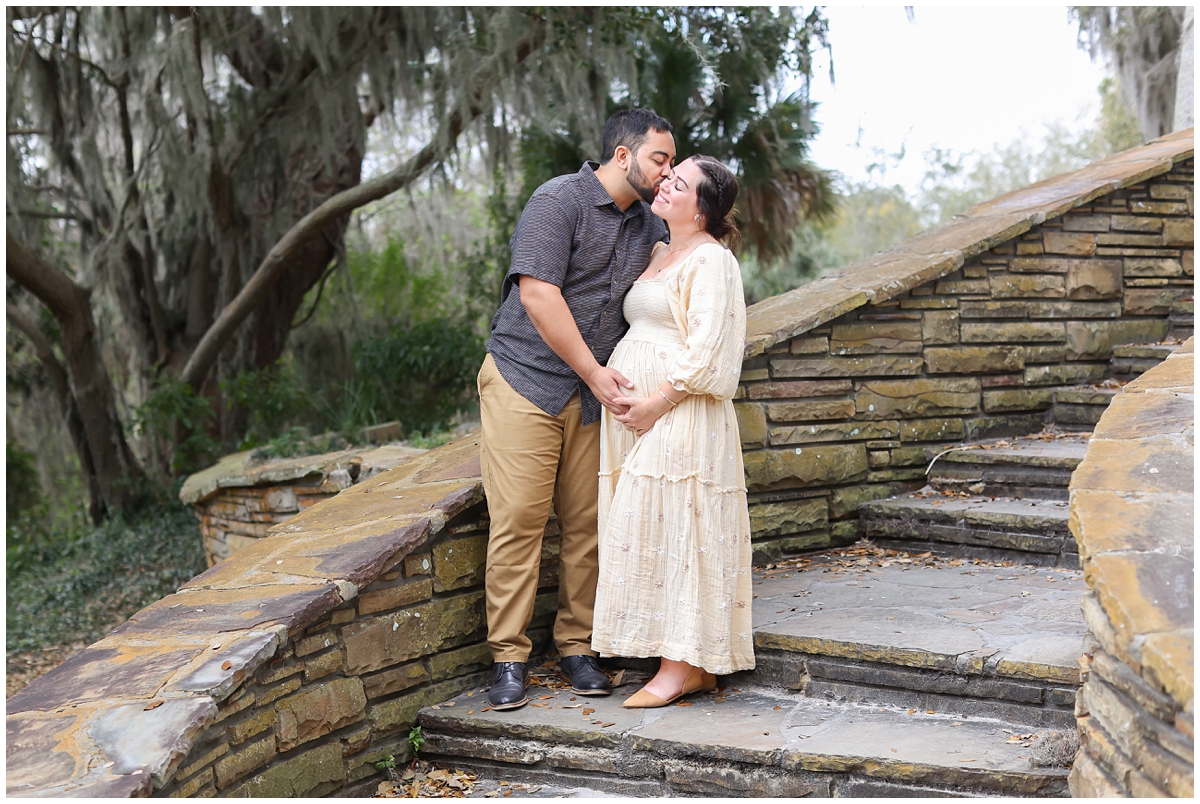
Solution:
(98, 575)
(174, 415)
(420, 374)
(415, 740)
(431, 440)
(26, 510)
(389, 286)
(813, 253)
(1118, 125)
(712, 72)
(23, 493)
(273, 397)
(296, 441)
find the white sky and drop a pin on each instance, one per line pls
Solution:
(963, 78)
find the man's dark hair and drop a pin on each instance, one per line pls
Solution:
(629, 127)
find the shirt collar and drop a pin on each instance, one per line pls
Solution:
(596, 192)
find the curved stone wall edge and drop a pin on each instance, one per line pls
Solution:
(1132, 511)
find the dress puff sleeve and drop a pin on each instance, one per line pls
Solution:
(706, 299)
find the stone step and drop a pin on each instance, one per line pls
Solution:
(1080, 407)
(1037, 466)
(918, 631)
(1030, 531)
(1182, 318)
(1131, 361)
(746, 740)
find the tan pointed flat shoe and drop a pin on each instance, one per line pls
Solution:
(697, 681)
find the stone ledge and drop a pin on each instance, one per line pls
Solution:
(241, 470)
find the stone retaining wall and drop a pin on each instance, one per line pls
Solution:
(984, 326)
(1133, 514)
(293, 666)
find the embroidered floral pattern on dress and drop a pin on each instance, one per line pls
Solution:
(704, 565)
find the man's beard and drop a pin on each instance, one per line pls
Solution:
(641, 183)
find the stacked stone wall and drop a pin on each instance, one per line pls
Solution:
(341, 694)
(235, 518)
(846, 412)
(1133, 514)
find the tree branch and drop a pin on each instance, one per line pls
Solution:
(45, 352)
(468, 107)
(35, 213)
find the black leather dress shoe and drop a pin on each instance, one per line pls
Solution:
(585, 675)
(508, 685)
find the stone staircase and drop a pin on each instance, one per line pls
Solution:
(879, 674)
(998, 500)
(940, 657)
(1006, 500)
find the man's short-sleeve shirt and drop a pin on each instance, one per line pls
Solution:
(573, 235)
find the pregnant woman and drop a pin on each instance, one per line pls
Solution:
(674, 528)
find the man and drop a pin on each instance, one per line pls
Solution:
(581, 242)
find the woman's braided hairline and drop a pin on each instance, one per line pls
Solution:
(712, 174)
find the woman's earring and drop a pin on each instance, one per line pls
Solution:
(697, 218)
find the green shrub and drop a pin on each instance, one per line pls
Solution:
(174, 414)
(273, 398)
(25, 534)
(421, 375)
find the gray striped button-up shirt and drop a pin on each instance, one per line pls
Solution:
(571, 234)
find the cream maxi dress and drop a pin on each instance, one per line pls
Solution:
(674, 532)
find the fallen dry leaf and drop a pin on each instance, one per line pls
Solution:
(154, 705)
(225, 665)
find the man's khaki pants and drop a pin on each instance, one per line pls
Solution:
(531, 461)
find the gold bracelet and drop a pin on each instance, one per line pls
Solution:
(664, 396)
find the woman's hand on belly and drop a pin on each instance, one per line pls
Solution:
(643, 411)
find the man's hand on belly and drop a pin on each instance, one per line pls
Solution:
(608, 384)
